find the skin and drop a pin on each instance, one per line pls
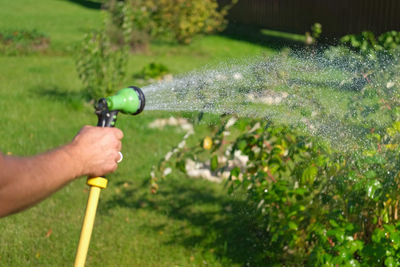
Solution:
(24, 181)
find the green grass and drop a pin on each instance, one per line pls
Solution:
(61, 20)
(188, 223)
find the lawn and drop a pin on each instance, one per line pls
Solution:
(188, 223)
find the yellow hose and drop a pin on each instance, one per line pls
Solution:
(96, 184)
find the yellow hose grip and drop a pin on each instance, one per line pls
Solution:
(100, 182)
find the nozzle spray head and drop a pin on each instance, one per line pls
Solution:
(128, 100)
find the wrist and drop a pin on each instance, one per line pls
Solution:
(74, 156)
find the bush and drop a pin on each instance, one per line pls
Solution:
(313, 205)
(100, 68)
(367, 44)
(374, 62)
(129, 24)
(186, 19)
(178, 19)
(313, 37)
(152, 71)
(14, 42)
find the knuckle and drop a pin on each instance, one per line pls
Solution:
(118, 133)
(119, 146)
(86, 127)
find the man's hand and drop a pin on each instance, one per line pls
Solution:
(25, 181)
(96, 150)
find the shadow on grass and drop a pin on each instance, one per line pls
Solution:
(74, 99)
(228, 229)
(268, 38)
(87, 3)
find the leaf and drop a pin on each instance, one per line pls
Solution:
(390, 262)
(396, 126)
(334, 223)
(300, 191)
(349, 227)
(48, 234)
(242, 145)
(292, 225)
(355, 245)
(370, 174)
(309, 175)
(372, 187)
(378, 235)
(241, 125)
(181, 165)
(354, 263)
(214, 163)
(235, 172)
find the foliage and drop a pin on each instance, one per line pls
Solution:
(375, 63)
(178, 20)
(367, 44)
(377, 82)
(316, 31)
(14, 42)
(100, 68)
(129, 24)
(313, 205)
(152, 70)
(284, 179)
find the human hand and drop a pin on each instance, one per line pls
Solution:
(96, 150)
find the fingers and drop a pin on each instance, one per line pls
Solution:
(118, 133)
(98, 149)
(118, 146)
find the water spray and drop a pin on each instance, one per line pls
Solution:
(131, 101)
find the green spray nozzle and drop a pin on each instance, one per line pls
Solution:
(128, 100)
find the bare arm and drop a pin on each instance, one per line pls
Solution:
(25, 181)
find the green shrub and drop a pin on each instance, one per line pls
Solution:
(317, 206)
(15, 42)
(186, 19)
(99, 66)
(129, 24)
(316, 31)
(152, 71)
(374, 63)
(179, 20)
(312, 205)
(368, 45)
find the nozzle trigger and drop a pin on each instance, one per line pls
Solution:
(106, 118)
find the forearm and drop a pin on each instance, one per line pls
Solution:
(27, 180)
